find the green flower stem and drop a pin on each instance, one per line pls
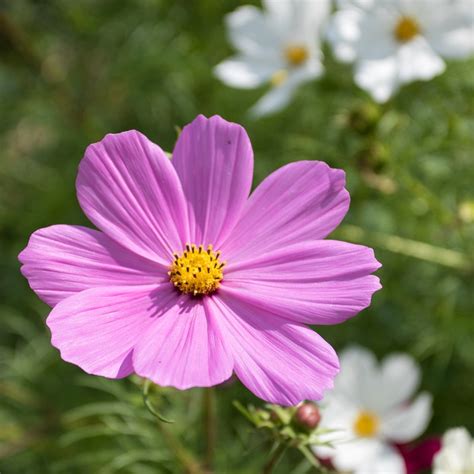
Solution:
(318, 467)
(209, 422)
(408, 247)
(146, 400)
(274, 459)
(183, 456)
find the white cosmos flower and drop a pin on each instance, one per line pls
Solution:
(370, 408)
(279, 45)
(394, 42)
(457, 453)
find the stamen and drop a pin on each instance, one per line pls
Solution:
(196, 272)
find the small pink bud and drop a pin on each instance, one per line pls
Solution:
(307, 416)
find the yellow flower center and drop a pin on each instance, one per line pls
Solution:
(296, 54)
(406, 29)
(366, 424)
(196, 271)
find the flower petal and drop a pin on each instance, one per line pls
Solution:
(299, 21)
(358, 381)
(245, 72)
(97, 329)
(400, 377)
(344, 33)
(406, 423)
(278, 361)
(279, 96)
(184, 348)
(450, 30)
(214, 160)
(418, 61)
(299, 202)
(378, 77)
(456, 454)
(128, 188)
(386, 460)
(276, 99)
(62, 260)
(318, 282)
(365, 456)
(252, 32)
(376, 40)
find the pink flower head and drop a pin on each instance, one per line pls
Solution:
(189, 279)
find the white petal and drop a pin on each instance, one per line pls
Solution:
(386, 461)
(418, 61)
(457, 453)
(344, 33)
(406, 423)
(400, 377)
(376, 39)
(451, 29)
(279, 96)
(278, 9)
(378, 77)
(355, 454)
(274, 100)
(299, 21)
(338, 413)
(252, 32)
(355, 3)
(245, 72)
(358, 379)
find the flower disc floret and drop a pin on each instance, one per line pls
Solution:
(366, 424)
(296, 55)
(406, 29)
(197, 271)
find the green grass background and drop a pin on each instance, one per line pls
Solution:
(70, 72)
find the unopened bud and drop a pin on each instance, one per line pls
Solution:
(307, 416)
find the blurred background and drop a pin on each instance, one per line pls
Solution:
(70, 72)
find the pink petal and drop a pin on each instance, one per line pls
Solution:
(62, 260)
(184, 348)
(97, 329)
(129, 189)
(319, 282)
(300, 201)
(214, 161)
(277, 360)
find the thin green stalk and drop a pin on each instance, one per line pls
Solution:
(408, 247)
(318, 467)
(183, 456)
(274, 459)
(149, 405)
(209, 419)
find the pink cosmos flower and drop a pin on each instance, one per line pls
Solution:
(189, 279)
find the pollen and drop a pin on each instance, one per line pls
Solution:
(366, 424)
(296, 55)
(197, 271)
(406, 29)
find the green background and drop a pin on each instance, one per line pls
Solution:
(71, 72)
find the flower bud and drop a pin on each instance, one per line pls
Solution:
(364, 118)
(307, 416)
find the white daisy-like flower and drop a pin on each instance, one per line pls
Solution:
(279, 45)
(370, 409)
(394, 42)
(457, 453)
